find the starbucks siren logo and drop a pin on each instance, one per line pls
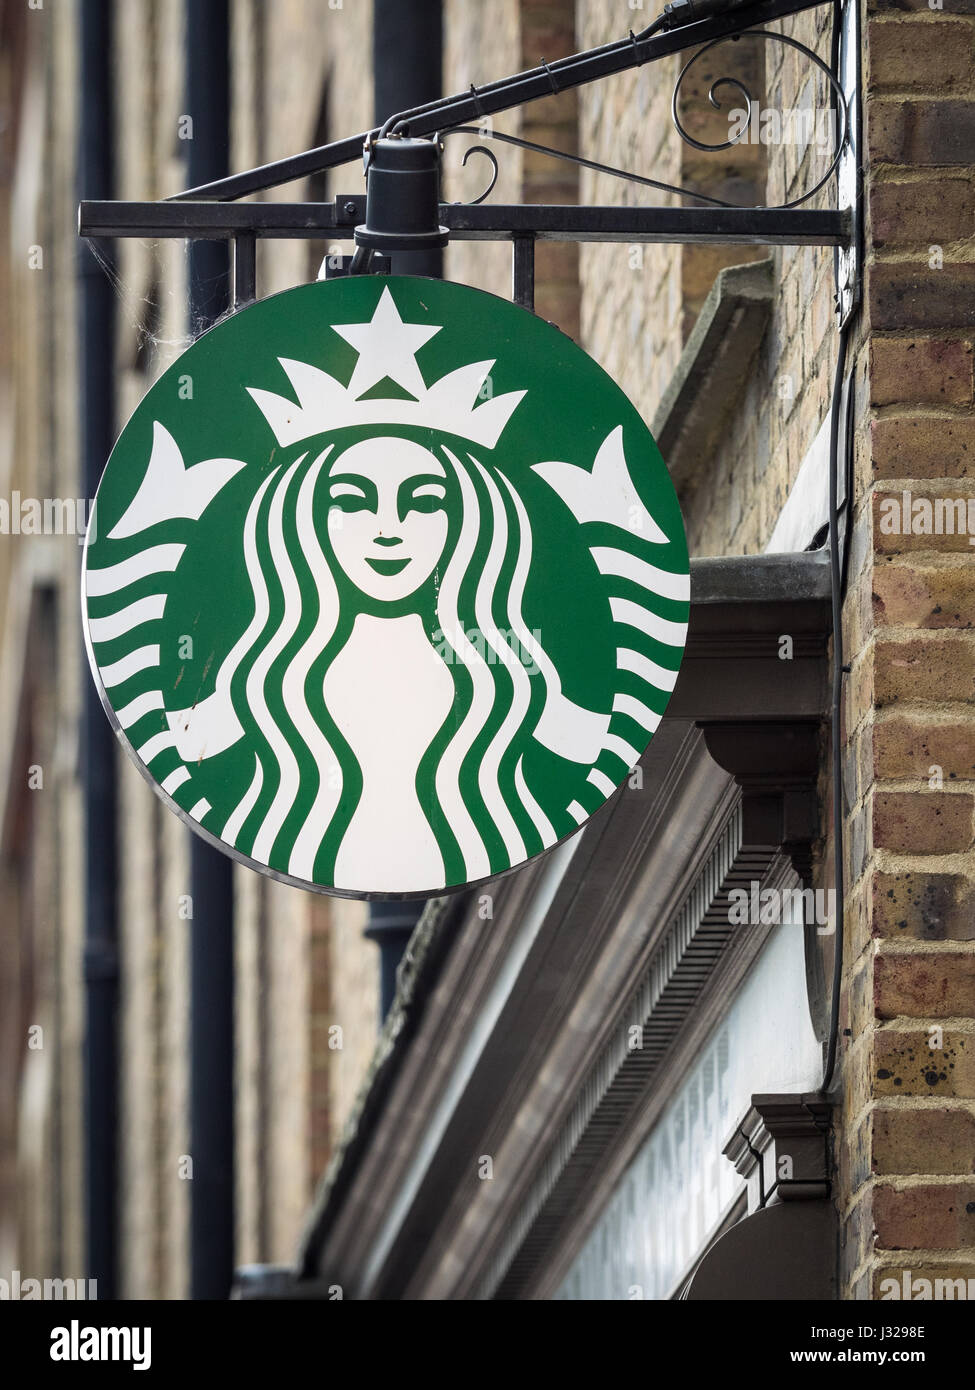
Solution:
(378, 612)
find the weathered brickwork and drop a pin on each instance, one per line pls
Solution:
(906, 1148)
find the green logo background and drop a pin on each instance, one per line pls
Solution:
(569, 411)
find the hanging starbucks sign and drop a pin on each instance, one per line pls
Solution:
(386, 586)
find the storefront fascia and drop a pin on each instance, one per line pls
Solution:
(566, 1041)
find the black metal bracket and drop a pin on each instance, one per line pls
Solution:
(467, 222)
(406, 211)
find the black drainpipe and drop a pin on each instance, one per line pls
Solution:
(96, 323)
(407, 58)
(211, 873)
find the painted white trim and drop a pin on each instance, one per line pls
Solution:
(806, 508)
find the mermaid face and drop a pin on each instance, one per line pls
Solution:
(387, 519)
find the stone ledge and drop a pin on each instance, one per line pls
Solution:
(709, 377)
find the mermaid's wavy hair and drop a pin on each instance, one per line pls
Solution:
(291, 655)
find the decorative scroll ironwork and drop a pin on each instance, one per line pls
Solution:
(489, 154)
(722, 82)
(737, 84)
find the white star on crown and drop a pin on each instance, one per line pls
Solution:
(387, 347)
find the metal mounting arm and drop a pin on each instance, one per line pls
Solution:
(508, 92)
(407, 210)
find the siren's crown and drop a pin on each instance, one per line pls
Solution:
(387, 349)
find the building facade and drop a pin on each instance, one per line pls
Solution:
(603, 1076)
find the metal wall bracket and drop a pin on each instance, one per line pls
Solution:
(210, 212)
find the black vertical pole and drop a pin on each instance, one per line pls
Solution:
(523, 271)
(212, 950)
(245, 270)
(96, 351)
(407, 57)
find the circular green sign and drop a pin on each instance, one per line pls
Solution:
(386, 586)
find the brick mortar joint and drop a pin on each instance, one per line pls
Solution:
(921, 1259)
(923, 410)
(909, 1182)
(885, 170)
(887, 947)
(920, 711)
(892, 861)
(893, 635)
(858, 1196)
(879, 91)
(933, 717)
(907, 1104)
(960, 247)
(910, 785)
(855, 967)
(902, 1025)
(914, 174)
